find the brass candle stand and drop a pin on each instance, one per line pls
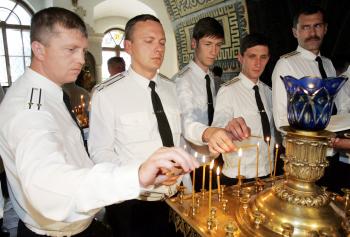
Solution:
(295, 206)
(288, 205)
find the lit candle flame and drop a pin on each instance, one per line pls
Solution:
(212, 164)
(240, 151)
(218, 170)
(203, 159)
(267, 139)
(195, 155)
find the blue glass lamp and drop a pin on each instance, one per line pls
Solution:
(310, 101)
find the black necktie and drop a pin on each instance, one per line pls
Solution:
(324, 75)
(264, 119)
(69, 107)
(210, 100)
(320, 67)
(163, 124)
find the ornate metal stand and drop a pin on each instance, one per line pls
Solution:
(295, 206)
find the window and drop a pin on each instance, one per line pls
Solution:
(15, 48)
(112, 45)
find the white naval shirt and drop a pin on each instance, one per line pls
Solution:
(235, 99)
(298, 64)
(123, 126)
(192, 93)
(344, 93)
(54, 186)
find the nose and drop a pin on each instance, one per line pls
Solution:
(81, 57)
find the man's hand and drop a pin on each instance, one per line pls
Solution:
(341, 143)
(155, 169)
(238, 129)
(219, 141)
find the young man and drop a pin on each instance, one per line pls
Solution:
(196, 90)
(115, 65)
(54, 186)
(247, 97)
(124, 133)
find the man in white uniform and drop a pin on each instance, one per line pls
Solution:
(196, 89)
(247, 97)
(132, 114)
(309, 28)
(54, 186)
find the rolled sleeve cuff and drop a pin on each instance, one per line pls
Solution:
(196, 133)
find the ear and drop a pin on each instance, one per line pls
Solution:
(193, 43)
(38, 50)
(127, 46)
(295, 33)
(240, 58)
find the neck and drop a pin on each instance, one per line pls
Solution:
(145, 73)
(203, 67)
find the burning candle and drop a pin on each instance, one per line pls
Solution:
(257, 160)
(276, 154)
(203, 180)
(193, 191)
(239, 161)
(210, 182)
(81, 99)
(269, 154)
(218, 179)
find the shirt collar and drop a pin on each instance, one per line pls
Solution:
(44, 83)
(198, 70)
(141, 80)
(247, 82)
(307, 54)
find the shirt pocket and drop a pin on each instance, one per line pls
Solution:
(134, 127)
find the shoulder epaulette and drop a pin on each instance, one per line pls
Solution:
(287, 55)
(165, 77)
(110, 81)
(35, 99)
(234, 80)
(183, 70)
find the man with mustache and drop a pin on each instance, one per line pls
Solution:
(309, 28)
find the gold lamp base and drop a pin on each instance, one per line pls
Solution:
(295, 206)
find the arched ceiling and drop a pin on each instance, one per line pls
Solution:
(120, 8)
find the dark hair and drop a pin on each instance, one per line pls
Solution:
(44, 21)
(309, 10)
(252, 40)
(207, 26)
(131, 23)
(217, 71)
(116, 61)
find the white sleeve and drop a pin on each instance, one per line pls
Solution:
(101, 130)
(279, 94)
(342, 100)
(223, 108)
(192, 129)
(55, 187)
